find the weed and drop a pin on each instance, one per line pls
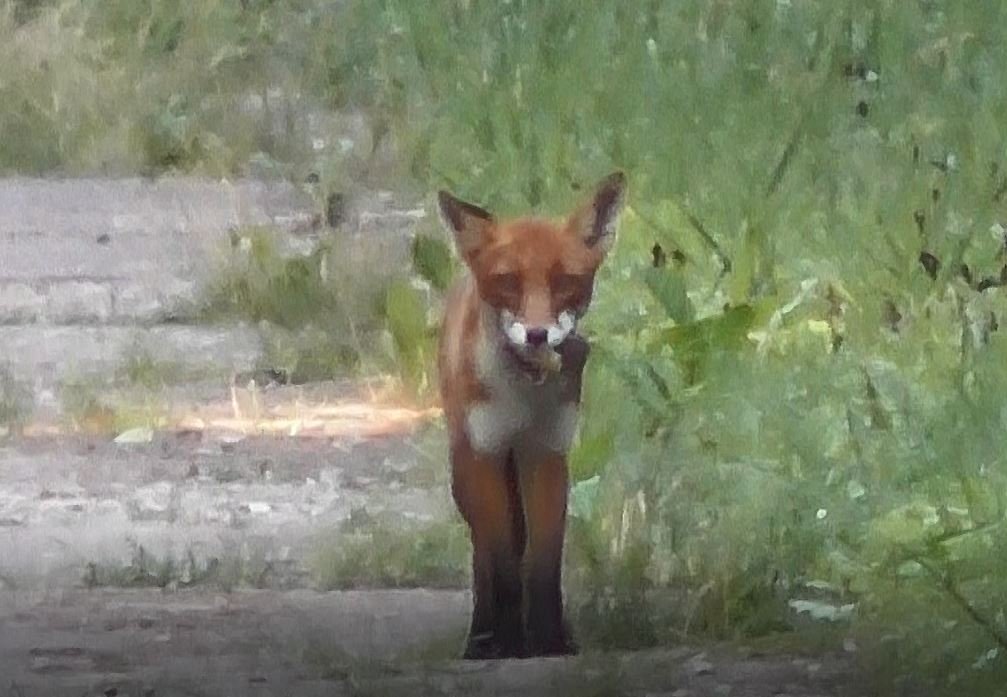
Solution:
(15, 401)
(145, 570)
(337, 311)
(140, 369)
(90, 405)
(394, 553)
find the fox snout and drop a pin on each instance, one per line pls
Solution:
(526, 335)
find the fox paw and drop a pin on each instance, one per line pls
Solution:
(556, 644)
(487, 646)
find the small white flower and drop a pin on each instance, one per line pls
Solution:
(855, 490)
(821, 514)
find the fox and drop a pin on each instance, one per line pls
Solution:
(510, 364)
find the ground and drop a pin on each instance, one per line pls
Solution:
(304, 643)
(75, 509)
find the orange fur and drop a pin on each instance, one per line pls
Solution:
(510, 421)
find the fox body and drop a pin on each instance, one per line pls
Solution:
(510, 365)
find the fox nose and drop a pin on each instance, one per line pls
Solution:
(536, 336)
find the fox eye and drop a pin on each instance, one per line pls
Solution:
(567, 283)
(506, 283)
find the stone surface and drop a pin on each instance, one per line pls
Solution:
(78, 251)
(78, 302)
(147, 303)
(71, 501)
(132, 228)
(135, 250)
(46, 355)
(20, 303)
(118, 229)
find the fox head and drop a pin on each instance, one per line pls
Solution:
(537, 275)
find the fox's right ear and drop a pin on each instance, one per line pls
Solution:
(468, 223)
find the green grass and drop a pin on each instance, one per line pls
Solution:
(430, 470)
(394, 553)
(135, 397)
(810, 370)
(15, 402)
(366, 553)
(340, 310)
(307, 322)
(145, 570)
(122, 86)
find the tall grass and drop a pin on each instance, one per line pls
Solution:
(151, 86)
(800, 322)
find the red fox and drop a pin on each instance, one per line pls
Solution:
(510, 365)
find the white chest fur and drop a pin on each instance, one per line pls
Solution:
(519, 413)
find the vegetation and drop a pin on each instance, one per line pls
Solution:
(394, 554)
(338, 310)
(15, 402)
(145, 570)
(88, 406)
(134, 398)
(801, 320)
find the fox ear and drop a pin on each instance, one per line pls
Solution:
(468, 223)
(595, 222)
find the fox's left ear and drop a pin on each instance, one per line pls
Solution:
(596, 221)
(469, 223)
